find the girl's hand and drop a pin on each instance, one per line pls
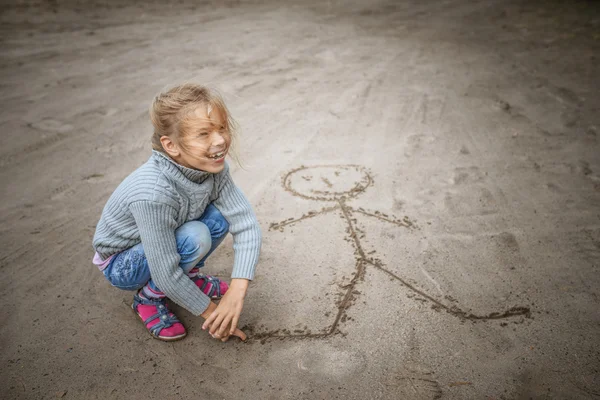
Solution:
(223, 319)
(239, 333)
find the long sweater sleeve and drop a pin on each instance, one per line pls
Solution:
(156, 223)
(243, 225)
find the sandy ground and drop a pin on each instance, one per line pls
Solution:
(426, 174)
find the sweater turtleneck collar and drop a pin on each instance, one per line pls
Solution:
(193, 175)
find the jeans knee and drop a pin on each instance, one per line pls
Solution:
(222, 227)
(216, 222)
(193, 241)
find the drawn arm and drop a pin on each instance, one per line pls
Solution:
(290, 221)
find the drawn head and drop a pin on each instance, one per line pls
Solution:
(193, 126)
(327, 182)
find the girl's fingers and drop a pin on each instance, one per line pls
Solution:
(216, 324)
(226, 338)
(208, 322)
(237, 333)
(234, 323)
(240, 334)
(224, 326)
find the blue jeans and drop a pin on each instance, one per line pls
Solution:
(196, 240)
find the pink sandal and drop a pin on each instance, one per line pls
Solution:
(160, 322)
(211, 286)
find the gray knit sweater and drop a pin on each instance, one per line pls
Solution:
(159, 197)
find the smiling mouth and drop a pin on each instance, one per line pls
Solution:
(219, 155)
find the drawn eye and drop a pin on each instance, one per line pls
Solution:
(202, 134)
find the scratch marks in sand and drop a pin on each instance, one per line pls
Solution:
(338, 183)
(414, 382)
(48, 131)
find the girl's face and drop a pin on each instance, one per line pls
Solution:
(206, 140)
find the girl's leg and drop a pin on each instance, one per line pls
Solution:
(129, 270)
(193, 242)
(218, 227)
(196, 240)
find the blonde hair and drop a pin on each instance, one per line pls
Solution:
(170, 110)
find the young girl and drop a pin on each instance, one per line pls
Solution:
(166, 218)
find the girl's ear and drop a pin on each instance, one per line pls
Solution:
(169, 146)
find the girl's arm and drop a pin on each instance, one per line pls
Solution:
(247, 238)
(243, 225)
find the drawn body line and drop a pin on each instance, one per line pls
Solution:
(362, 259)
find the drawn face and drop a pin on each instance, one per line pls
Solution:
(327, 182)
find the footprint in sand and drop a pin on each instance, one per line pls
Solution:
(51, 125)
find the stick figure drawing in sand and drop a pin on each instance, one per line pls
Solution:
(336, 185)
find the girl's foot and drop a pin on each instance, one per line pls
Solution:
(160, 322)
(212, 286)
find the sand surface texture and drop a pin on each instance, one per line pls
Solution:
(426, 175)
